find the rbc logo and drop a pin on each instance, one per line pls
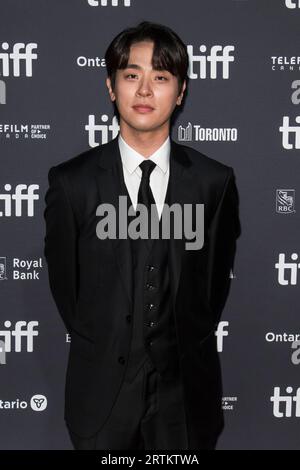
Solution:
(285, 201)
(3, 268)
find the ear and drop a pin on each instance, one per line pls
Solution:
(110, 91)
(180, 97)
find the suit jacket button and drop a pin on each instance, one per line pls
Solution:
(121, 360)
(128, 318)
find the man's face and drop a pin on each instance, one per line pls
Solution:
(138, 85)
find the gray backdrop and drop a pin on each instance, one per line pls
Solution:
(242, 108)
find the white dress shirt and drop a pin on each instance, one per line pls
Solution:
(159, 177)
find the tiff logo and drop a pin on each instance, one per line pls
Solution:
(218, 54)
(287, 130)
(103, 3)
(283, 404)
(220, 334)
(106, 130)
(16, 57)
(282, 267)
(292, 4)
(23, 193)
(21, 330)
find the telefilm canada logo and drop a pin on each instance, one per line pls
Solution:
(285, 63)
(36, 403)
(17, 338)
(14, 59)
(228, 403)
(285, 201)
(24, 131)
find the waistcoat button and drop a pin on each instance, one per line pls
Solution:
(150, 306)
(150, 286)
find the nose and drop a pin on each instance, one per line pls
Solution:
(145, 88)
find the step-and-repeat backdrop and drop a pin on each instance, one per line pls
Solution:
(242, 108)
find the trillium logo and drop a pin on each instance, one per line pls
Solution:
(38, 402)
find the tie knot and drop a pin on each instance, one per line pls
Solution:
(147, 166)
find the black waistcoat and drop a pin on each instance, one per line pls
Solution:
(153, 333)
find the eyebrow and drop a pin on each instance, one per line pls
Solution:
(138, 67)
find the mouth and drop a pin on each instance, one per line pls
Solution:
(143, 109)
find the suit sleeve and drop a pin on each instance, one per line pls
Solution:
(60, 248)
(223, 233)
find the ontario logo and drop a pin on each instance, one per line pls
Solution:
(36, 403)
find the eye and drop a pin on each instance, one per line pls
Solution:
(130, 75)
(161, 76)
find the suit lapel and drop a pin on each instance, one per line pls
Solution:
(180, 182)
(110, 186)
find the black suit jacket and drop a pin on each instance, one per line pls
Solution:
(91, 282)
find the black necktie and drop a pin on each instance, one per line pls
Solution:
(145, 195)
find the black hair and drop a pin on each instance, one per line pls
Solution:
(169, 51)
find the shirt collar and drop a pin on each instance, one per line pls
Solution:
(131, 159)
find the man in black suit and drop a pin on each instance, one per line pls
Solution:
(143, 369)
